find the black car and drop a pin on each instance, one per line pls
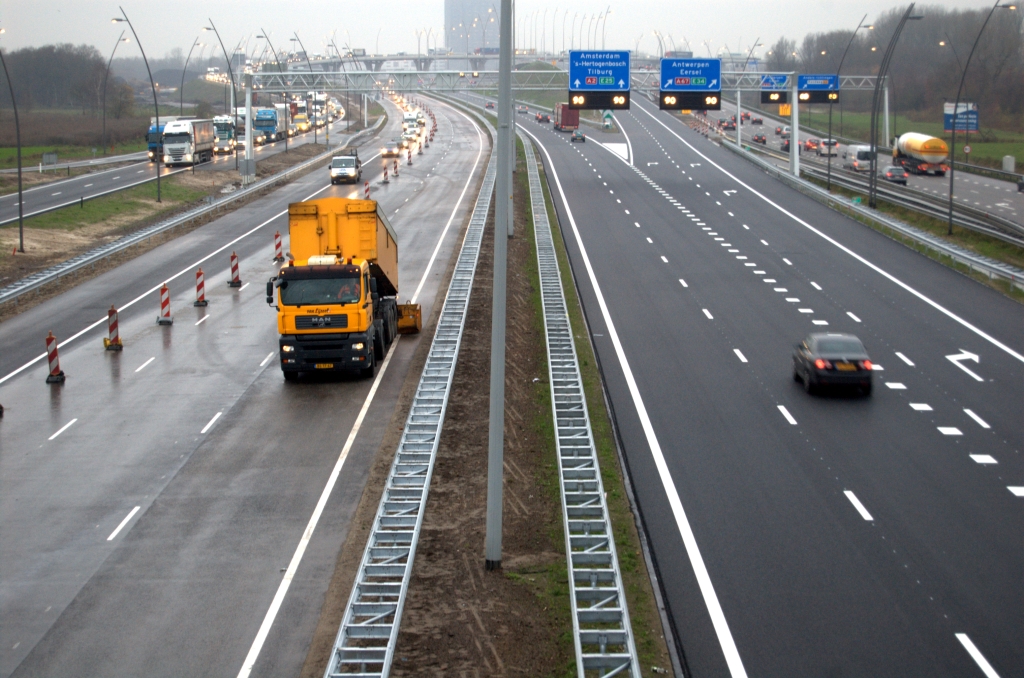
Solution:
(756, 121)
(728, 125)
(489, 104)
(832, 359)
(760, 139)
(778, 130)
(522, 109)
(544, 118)
(896, 175)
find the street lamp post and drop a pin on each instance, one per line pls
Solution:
(231, 75)
(152, 84)
(106, 73)
(604, 25)
(17, 134)
(181, 90)
(956, 107)
(840, 68)
(886, 58)
(306, 54)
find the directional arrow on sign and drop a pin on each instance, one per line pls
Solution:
(668, 83)
(622, 83)
(577, 83)
(956, 359)
(713, 83)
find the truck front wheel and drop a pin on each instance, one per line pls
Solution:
(367, 372)
(291, 376)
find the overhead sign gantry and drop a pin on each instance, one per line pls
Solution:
(599, 79)
(690, 84)
(818, 89)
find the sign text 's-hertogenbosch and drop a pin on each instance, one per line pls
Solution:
(591, 71)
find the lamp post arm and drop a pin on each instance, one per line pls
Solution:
(17, 131)
(181, 89)
(849, 44)
(103, 136)
(156, 104)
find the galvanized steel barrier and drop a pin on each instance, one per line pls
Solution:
(600, 618)
(365, 644)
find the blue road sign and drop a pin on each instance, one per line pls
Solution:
(966, 117)
(773, 81)
(812, 83)
(598, 71)
(691, 75)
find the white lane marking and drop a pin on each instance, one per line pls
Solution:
(877, 368)
(87, 186)
(760, 273)
(708, 314)
(637, 224)
(683, 282)
(750, 264)
(307, 534)
(984, 458)
(746, 227)
(707, 589)
(904, 358)
(788, 262)
(806, 310)
(770, 281)
(57, 193)
(663, 258)
(123, 523)
(780, 289)
(820, 322)
(211, 423)
(267, 359)
(787, 415)
(650, 241)
(981, 422)
(63, 428)
(741, 257)
(143, 365)
(950, 431)
(1018, 491)
(204, 318)
(793, 300)
(765, 243)
(242, 287)
(921, 407)
(957, 359)
(115, 178)
(895, 385)
(981, 333)
(140, 171)
(855, 318)
(857, 505)
(739, 354)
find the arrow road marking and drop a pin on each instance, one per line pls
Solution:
(729, 192)
(695, 164)
(651, 163)
(965, 355)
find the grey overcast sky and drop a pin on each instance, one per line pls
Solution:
(165, 24)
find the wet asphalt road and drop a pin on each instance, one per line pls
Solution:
(194, 425)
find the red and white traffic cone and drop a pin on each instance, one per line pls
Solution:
(419, 149)
(426, 141)
(56, 375)
(113, 341)
(386, 174)
(410, 157)
(278, 251)
(236, 281)
(165, 307)
(200, 290)
(396, 168)
(366, 190)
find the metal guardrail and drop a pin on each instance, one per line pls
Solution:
(602, 634)
(76, 164)
(36, 280)
(365, 644)
(983, 264)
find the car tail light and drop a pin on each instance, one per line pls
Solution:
(866, 364)
(822, 364)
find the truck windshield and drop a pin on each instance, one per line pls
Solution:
(179, 138)
(343, 162)
(224, 130)
(320, 291)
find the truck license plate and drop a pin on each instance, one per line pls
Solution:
(325, 366)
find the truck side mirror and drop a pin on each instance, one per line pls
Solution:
(373, 285)
(270, 291)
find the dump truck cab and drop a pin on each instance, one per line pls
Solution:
(336, 296)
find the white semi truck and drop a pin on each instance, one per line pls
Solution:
(188, 142)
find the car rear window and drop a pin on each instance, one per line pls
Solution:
(840, 345)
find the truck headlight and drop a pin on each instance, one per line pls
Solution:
(358, 346)
(287, 349)
(151, 155)
(167, 158)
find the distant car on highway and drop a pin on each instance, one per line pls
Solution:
(828, 147)
(757, 121)
(728, 125)
(577, 135)
(489, 104)
(778, 130)
(811, 144)
(745, 115)
(722, 121)
(895, 175)
(392, 148)
(832, 359)
(760, 139)
(522, 109)
(543, 117)
(786, 132)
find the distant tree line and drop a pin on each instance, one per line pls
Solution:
(924, 72)
(64, 76)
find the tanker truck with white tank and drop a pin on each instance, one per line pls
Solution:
(188, 142)
(921, 154)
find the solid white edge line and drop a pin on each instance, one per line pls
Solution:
(300, 550)
(189, 269)
(976, 655)
(739, 354)
(267, 359)
(942, 309)
(629, 144)
(857, 505)
(123, 523)
(282, 589)
(63, 428)
(981, 422)
(787, 415)
(707, 589)
(143, 365)
(211, 423)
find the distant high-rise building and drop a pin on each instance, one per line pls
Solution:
(471, 26)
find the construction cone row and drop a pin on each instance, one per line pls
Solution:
(410, 157)
(113, 340)
(386, 173)
(56, 375)
(165, 307)
(396, 168)
(236, 281)
(200, 290)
